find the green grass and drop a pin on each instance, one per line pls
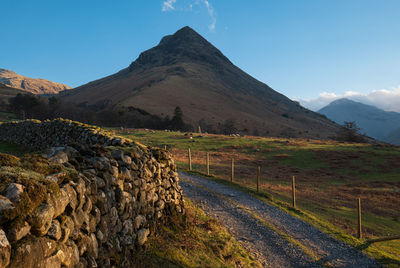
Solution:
(385, 252)
(364, 170)
(301, 159)
(300, 154)
(195, 240)
(12, 149)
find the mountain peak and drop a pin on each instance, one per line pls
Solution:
(186, 31)
(185, 45)
(342, 101)
(186, 35)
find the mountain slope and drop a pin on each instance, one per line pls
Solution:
(186, 70)
(393, 137)
(374, 122)
(31, 85)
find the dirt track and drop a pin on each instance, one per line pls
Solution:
(276, 238)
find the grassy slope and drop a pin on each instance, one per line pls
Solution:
(191, 241)
(195, 241)
(329, 177)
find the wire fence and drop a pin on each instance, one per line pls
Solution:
(230, 171)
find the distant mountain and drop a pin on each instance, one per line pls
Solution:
(394, 137)
(376, 123)
(185, 70)
(31, 85)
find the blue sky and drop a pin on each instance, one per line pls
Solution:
(313, 50)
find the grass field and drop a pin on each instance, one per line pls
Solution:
(330, 176)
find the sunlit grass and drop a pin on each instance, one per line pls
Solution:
(194, 240)
(361, 170)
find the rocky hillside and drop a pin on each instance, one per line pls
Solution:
(376, 123)
(30, 85)
(185, 70)
(91, 203)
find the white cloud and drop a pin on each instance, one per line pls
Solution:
(386, 99)
(168, 5)
(211, 12)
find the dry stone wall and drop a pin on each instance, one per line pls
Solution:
(35, 134)
(96, 210)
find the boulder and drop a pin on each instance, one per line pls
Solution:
(67, 226)
(32, 252)
(59, 202)
(41, 219)
(72, 196)
(18, 231)
(55, 231)
(5, 250)
(117, 154)
(93, 248)
(83, 243)
(14, 191)
(70, 254)
(6, 206)
(59, 158)
(56, 177)
(140, 220)
(142, 236)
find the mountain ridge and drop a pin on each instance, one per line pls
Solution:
(186, 70)
(31, 85)
(375, 122)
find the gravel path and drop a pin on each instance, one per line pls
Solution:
(232, 208)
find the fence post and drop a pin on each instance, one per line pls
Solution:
(293, 193)
(208, 163)
(190, 159)
(232, 169)
(258, 178)
(359, 218)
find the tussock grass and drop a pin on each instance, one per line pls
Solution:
(194, 240)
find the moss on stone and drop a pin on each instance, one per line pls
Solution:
(8, 160)
(40, 165)
(34, 194)
(30, 172)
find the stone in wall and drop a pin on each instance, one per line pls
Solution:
(81, 204)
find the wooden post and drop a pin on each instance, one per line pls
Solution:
(190, 159)
(293, 193)
(359, 218)
(208, 163)
(258, 178)
(232, 169)
(199, 129)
